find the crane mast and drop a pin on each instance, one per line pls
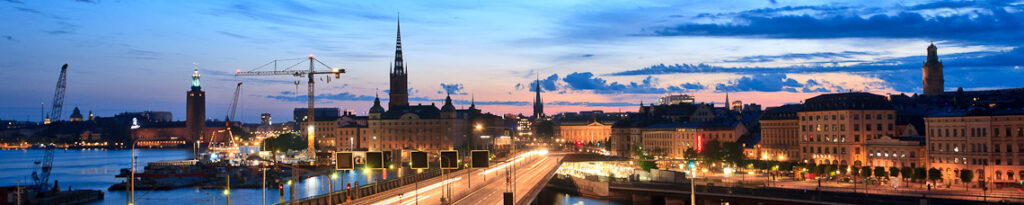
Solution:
(311, 147)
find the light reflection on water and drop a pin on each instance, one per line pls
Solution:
(95, 169)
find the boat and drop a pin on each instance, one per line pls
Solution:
(162, 175)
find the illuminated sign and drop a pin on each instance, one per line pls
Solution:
(700, 143)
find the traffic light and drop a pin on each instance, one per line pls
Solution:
(480, 158)
(419, 160)
(343, 161)
(374, 160)
(449, 159)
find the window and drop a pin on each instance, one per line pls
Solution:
(1009, 147)
(842, 127)
(879, 127)
(867, 127)
(995, 132)
(856, 116)
(867, 116)
(879, 116)
(842, 117)
(995, 148)
(856, 138)
(857, 151)
(856, 127)
(890, 127)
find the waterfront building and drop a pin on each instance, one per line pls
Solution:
(780, 133)
(988, 141)
(836, 128)
(896, 152)
(589, 131)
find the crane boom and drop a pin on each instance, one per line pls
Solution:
(311, 147)
(234, 103)
(58, 94)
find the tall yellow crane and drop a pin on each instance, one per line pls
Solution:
(309, 74)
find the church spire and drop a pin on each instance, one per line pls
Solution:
(399, 92)
(727, 100)
(538, 106)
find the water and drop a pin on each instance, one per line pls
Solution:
(95, 169)
(559, 197)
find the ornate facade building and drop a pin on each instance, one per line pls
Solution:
(780, 134)
(584, 132)
(836, 128)
(990, 143)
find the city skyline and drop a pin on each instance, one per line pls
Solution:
(589, 56)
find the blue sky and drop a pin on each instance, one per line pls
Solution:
(608, 55)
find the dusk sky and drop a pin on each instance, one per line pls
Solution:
(589, 55)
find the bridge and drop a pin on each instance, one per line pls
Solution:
(532, 170)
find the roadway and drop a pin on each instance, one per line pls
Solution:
(488, 185)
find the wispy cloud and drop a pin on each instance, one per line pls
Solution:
(998, 23)
(799, 56)
(343, 96)
(453, 89)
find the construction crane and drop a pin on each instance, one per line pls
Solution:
(231, 116)
(309, 74)
(234, 103)
(58, 95)
(42, 178)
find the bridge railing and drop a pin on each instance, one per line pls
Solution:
(366, 190)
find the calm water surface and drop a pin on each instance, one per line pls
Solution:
(95, 169)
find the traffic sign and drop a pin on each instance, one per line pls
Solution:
(419, 160)
(480, 158)
(374, 160)
(344, 161)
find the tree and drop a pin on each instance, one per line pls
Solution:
(865, 171)
(880, 172)
(607, 144)
(712, 151)
(828, 169)
(545, 129)
(966, 176)
(285, 142)
(843, 168)
(732, 152)
(690, 153)
(934, 174)
(894, 172)
(640, 153)
(920, 174)
(817, 169)
(906, 172)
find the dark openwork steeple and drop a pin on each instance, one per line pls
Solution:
(399, 78)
